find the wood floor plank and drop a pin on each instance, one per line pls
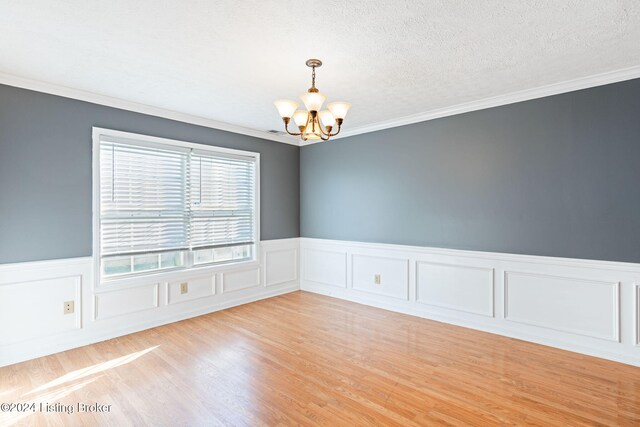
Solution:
(306, 359)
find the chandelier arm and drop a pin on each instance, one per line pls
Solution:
(323, 131)
(334, 134)
(302, 129)
(286, 127)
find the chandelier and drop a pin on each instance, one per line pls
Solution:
(313, 123)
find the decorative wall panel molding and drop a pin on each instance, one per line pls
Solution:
(392, 273)
(281, 266)
(566, 304)
(125, 301)
(445, 285)
(241, 279)
(32, 296)
(457, 287)
(197, 287)
(590, 307)
(325, 266)
(23, 304)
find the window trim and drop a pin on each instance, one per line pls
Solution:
(101, 283)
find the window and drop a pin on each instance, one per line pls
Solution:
(172, 205)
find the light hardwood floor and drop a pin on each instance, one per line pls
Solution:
(306, 359)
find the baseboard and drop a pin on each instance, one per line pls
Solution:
(536, 299)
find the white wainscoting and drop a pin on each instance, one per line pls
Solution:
(393, 274)
(198, 287)
(277, 266)
(328, 267)
(125, 301)
(590, 307)
(35, 296)
(473, 291)
(33, 323)
(240, 279)
(637, 314)
(567, 304)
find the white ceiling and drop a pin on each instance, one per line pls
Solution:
(228, 60)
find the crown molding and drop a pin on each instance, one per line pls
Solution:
(81, 95)
(496, 101)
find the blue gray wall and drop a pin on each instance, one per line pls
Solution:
(558, 176)
(45, 172)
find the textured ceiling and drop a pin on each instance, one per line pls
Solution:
(228, 60)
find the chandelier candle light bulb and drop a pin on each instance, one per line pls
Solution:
(313, 123)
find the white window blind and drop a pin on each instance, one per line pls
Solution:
(171, 200)
(143, 199)
(222, 201)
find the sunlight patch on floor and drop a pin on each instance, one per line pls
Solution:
(91, 370)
